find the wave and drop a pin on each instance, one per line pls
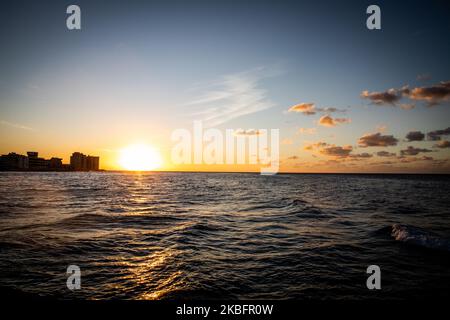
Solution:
(283, 203)
(419, 237)
(96, 220)
(288, 207)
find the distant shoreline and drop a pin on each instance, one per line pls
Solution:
(49, 170)
(235, 172)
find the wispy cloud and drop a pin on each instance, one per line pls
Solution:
(15, 125)
(233, 96)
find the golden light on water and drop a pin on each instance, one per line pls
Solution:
(140, 157)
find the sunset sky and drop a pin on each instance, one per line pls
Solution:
(345, 98)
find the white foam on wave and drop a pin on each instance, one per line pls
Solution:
(419, 237)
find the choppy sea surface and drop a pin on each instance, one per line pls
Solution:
(224, 235)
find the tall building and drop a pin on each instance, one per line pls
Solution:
(81, 162)
(78, 161)
(92, 163)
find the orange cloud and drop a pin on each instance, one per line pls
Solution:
(305, 108)
(312, 146)
(377, 140)
(336, 151)
(328, 121)
(433, 94)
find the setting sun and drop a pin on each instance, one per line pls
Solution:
(140, 157)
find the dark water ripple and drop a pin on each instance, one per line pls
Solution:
(212, 235)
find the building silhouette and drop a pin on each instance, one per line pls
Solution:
(77, 161)
(55, 163)
(13, 161)
(36, 163)
(32, 162)
(93, 163)
(81, 162)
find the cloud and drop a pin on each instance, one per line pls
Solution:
(312, 146)
(415, 159)
(442, 144)
(248, 132)
(233, 96)
(433, 95)
(328, 121)
(361, 155)
(15, 125)
(330, 110)
(293, 158)
(336, 151)
(385, 154)
(377, 140)
(436, 135)
(391, 96)
(412, 151)
(305, 108)
(340, 152)
(415, 136)
(309, 109)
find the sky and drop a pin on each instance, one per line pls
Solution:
(344, 98)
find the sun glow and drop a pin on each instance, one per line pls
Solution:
(140, 157)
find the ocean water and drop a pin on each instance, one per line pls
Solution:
(224, 235)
